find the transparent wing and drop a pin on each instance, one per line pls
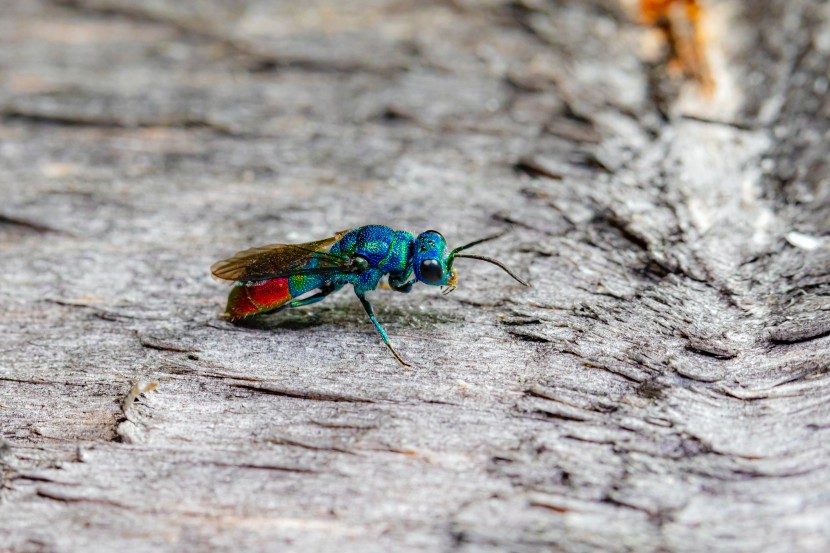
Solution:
(283, 260)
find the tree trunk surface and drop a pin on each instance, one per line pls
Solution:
(663, 386)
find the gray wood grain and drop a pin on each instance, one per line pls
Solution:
(662, 387)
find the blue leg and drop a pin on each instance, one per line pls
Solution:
(406, 287)
(369, 311)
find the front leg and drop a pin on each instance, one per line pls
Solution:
(398, 283)
(406, 287)
(369, 311)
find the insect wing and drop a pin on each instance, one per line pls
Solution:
(282, 260)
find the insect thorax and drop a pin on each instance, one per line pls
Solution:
(385, 248)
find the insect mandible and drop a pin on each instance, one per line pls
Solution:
(277, 276)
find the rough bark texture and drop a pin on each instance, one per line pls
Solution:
(662, 387)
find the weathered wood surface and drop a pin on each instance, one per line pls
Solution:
(662, 387)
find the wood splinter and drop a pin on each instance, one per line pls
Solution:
(680, 24)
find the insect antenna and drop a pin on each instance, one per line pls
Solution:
(454, 254)
(495, 262)
(476, 243)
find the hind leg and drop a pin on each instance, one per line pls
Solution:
(319, 296)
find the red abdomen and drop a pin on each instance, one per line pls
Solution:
(257, 298)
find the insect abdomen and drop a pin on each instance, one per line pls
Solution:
(245, 300)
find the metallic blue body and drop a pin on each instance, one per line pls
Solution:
(395, 253)
(388, 251)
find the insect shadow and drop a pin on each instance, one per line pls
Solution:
(347, 315)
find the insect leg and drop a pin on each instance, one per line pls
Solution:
(398, 282)
(369, 311)
(406, 287)
(319, 296)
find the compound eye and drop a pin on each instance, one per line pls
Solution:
(431, 271)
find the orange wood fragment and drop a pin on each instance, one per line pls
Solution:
(680, 23)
